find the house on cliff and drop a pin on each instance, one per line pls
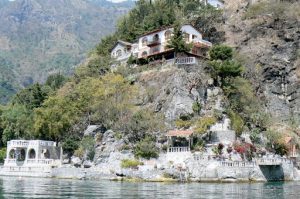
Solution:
(154, 46)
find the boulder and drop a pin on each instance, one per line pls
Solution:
(76, 161)
(87, 164)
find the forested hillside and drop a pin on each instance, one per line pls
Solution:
(140, 103)
(39, 37)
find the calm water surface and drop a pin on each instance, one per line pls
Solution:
(55, 188)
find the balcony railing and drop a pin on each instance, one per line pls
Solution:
(26, 143)
(203, 42)
(154, 42)
(178, 149)
(185, 61)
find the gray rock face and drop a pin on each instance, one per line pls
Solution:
(270, 46)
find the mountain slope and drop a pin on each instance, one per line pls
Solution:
(266, 36)
(39, 37)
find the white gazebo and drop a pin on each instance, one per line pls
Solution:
(24, 154)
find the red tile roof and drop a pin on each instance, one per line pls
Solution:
(180, 133)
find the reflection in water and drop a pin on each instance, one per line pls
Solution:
(55, 188)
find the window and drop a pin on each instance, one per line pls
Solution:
(12, 154)
(186, 37)
(194, 36)
(119, 53)
(144, 41)
(156, 37)
(155, 50)
(168, 34)
(144, 54)
(31, 154)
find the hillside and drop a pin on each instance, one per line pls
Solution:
(267, 38)
(246, 88)
(39, 37)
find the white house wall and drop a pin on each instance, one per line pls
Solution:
(125, 54)
(191, 31)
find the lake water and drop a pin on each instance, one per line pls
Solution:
(56, 188)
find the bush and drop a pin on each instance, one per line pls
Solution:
(146, 149)
(196, 107)
(79, 152)
(179, 123)
(127, 163)
(255, 136)
(218, 150)
(70, 145)
(2, 155)
(199, 145)
(237, 123)
(204, 123)
(221, 52)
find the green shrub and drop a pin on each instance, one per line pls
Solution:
(203, 124)
(146, 149)
(221, 52)
(79, 152)
(255, 136)
(127, 163)
(199, 145)
(196, 107)
(179, 123)
(2, 155)
(237, 123)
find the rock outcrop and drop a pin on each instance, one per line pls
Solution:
(269, 45)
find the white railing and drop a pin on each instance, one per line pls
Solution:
(185, 60)
(207, 43)
(273, 161)
(41, 161)
(178, 149)
(236, 164)
(18, 143)
(26, 143)
(47, 143)
(10, 161)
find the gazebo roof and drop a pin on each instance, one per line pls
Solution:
(180, 133)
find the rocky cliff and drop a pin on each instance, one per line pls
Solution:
(266, 35)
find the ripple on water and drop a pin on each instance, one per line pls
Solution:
(56, 188)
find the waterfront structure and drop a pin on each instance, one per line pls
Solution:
(180, 140)
(154, 45)
(31, 156)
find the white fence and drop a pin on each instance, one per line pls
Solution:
(178, 149)
(185, 61)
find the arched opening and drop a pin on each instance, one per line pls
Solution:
(156, 37)
(31, 154)
(21, 155)
(144, 41)
(45, 154)
(119, 53)
(12, 154)
(144, 54)
(168, 34)
(186, 37)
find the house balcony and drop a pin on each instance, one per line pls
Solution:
(202, 43)
(185, 61)
(178, 149)
(155, 42)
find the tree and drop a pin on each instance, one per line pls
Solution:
(221, 52)
(222, 64)
(177, 42)
(31, 97)
(55, 81)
